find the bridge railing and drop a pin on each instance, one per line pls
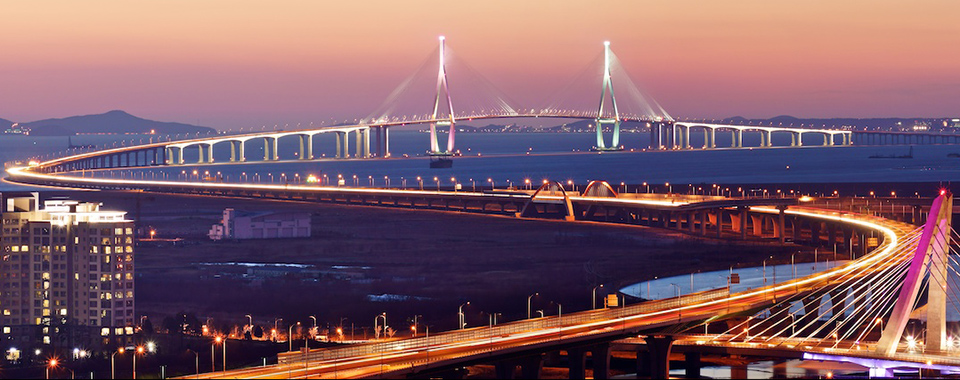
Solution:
(502, 330)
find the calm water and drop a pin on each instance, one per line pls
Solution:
(504, 157)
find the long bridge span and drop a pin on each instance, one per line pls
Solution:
(521, 343)
(897, 256)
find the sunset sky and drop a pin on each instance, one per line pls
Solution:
(231, 64)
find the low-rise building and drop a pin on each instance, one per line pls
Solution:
(265, 225)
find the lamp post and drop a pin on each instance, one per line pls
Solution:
(249, 319)
(493, 185)
(594, 304)
(529, 299)
(51, 364)
(138, 351)
(679, 315)
(113, 371)
(290, 335)
(437, 180)
(420, 181)
(197, 354)
(213, 353)
(460, 314)
(375, 319)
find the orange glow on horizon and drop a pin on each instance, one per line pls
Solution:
(811, 59)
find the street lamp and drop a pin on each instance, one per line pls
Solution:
(493, 184)
(213, 353)
(437, 180)
(679, 316)
(290, 335)
(197, 354)
(420, 181)
(529, 301)
(51, 364)
(139, 351)
(463, 323)
(375, 319)
(113, 372)
(594, 304)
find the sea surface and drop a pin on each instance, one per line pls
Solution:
(513, 158)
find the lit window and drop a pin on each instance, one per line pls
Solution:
(6, 329)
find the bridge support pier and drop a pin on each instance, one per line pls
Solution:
(659, 347)
(530, 367)
(577, 363)
(600, 358)
(691, 364)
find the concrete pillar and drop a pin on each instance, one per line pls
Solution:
(703, 222)
(831, 235)
(659, 347)
(359, 141)
(276, 152)
(240, 150)
(793, 138)
(577, 363)
(266, 149)
(815, 233)
(686, 137)
(200, 155)
(713, 137)
(691, 364)
(309, 146)
(301, 154)
(531, 366)
(826, 138)
(233, 151)
(643, 365)
(600, 359)
(706, 138)
(757, 221)
(366, 143)
(780, 225)
(505, 369)
(337, 136)
(738, 371)
(691, 222)
(210, 153)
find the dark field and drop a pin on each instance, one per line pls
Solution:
(443, 259)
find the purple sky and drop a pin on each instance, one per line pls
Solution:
(231, 64)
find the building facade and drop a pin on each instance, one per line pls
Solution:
(267, 225)
(66, 275)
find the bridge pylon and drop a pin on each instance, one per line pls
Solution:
(602, 120)
(443, 90)
(929, 260)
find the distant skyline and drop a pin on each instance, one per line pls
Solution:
(232, 64)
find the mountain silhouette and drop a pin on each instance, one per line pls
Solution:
(113, 122)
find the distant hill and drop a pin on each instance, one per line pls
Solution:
(113, 122)
(4, 123)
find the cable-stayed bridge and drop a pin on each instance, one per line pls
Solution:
(370, 137)
(871, 298)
